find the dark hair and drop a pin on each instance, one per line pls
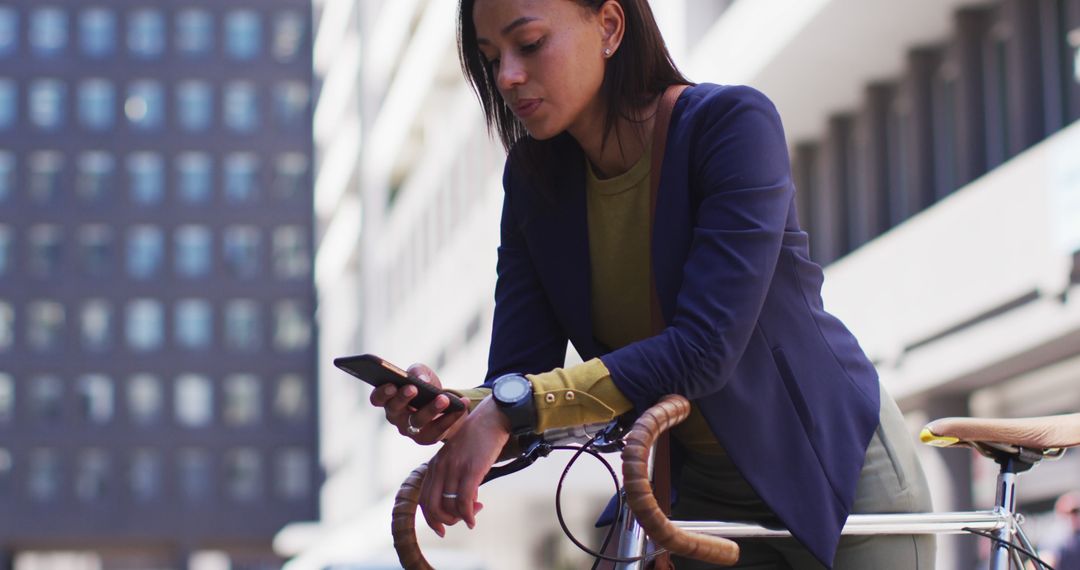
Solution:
(639, 71)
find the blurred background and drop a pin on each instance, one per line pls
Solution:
(202, 202)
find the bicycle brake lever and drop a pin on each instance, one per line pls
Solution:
(534, 451)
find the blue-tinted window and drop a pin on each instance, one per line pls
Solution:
(45, 249)
(241, 250)
(145, 399)
(96, 175)
(193, 252)
(45, 325)
(194, 33)
(240, 178)
(7, 326)
(241, 107)
(97, 104)
(97, 32)
(145, 252)
(45, 171)
(292, 326)
(243, 34)
(194, 179)
(45, 474)
(194, 324)
(146, 474)
(96, 325)
(288, 35)
(146, 176)
(48, 31)
(194, 474)
(243, 474)
(146, 34)
(193, 400)
(291, 259)
(291, 104)
(46, 104)
(9, 31)
(9, 104)
(7, 175)
(5, 249)
(144, 324)
(291, 178)
(96, 250)
(243, 325)
(145, 105)
(194, 105)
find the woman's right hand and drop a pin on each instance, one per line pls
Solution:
(430, 425)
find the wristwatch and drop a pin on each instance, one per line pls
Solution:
(513, 394)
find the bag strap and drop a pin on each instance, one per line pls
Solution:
(662, 459)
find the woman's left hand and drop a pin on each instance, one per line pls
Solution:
(450, 488)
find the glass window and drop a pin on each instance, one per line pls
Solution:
(291, 258)
(194, 105)
(45, 243)
(144, 325)
(48, 32)
(96, 325)
(95, 175)
(9, 31)
(145, 105)
(290, 176)
(243, 474)
(96, 249)
(5, 249)
(146, 175)
(145, 475)
(44, 475)
(240, 177)
(9, 104)
(97, 32)
(46, 104)
(292, 474)
(146, 33)
(291, 104)
(243, 34)
(7, 326)
(292, 326)
(192, 257)
(46, 397)
(194, 401)
(242, 400)
(241, 250)
(97, 104)
(7, 174)
(240, 107)
(44, 325)
(145, 399)
(145, 251)
(7, 468)
(95, 395)
(194, 179)
(46, 170)
(7, 398)
(288, 35)
(194, 32)
(243, 326)
(92, 476)
(194, 324)
(194, 467)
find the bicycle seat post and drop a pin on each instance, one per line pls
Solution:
(1005, 502)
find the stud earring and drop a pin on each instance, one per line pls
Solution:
(607, 52)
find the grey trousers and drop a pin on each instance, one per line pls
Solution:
(891, 481)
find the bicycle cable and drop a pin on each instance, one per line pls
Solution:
(598, 556)
(1013, 547)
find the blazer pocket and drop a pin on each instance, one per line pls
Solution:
(793, 390)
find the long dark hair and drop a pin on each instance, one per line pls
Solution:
(639, 71)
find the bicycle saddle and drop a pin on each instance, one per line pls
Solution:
(1031, 438)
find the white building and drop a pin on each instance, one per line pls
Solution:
(943, 197)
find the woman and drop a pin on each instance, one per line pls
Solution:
(704, 290)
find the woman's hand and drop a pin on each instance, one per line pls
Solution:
(453, 477)
(428, 424)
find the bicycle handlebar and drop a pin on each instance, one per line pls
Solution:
(669, 411)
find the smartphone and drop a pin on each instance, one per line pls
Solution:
(376, 371)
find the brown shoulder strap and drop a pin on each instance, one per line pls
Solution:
(662, 459)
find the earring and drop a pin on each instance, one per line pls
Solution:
(607, 52)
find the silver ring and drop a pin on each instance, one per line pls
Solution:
(409, 428)
(449, 495)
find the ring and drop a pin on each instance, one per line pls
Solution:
(449, 495)
(409, 428)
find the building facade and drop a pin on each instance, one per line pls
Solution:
(933, 146)
(157, 338)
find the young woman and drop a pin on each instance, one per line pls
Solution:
(705, 290)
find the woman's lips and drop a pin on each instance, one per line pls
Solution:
(526, 107)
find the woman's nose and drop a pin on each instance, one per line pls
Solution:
(511, 74)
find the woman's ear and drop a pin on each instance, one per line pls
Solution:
(613, 26)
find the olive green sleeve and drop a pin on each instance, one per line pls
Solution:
(475, 395)
(578, 395)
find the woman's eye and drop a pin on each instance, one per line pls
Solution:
(530, 48)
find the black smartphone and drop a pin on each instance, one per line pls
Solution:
(376, 371)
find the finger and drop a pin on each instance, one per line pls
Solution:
(467, 494)
(425, 373)
(451, 504)
(424, 415)
(428, 501)
(380, 395)
(441, 427)
(401, 399)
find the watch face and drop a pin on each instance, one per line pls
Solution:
(511, 389)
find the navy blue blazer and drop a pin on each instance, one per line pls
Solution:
(784, 386)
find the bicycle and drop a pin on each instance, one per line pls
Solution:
(1016, 445)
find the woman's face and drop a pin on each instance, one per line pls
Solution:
(547, 57)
